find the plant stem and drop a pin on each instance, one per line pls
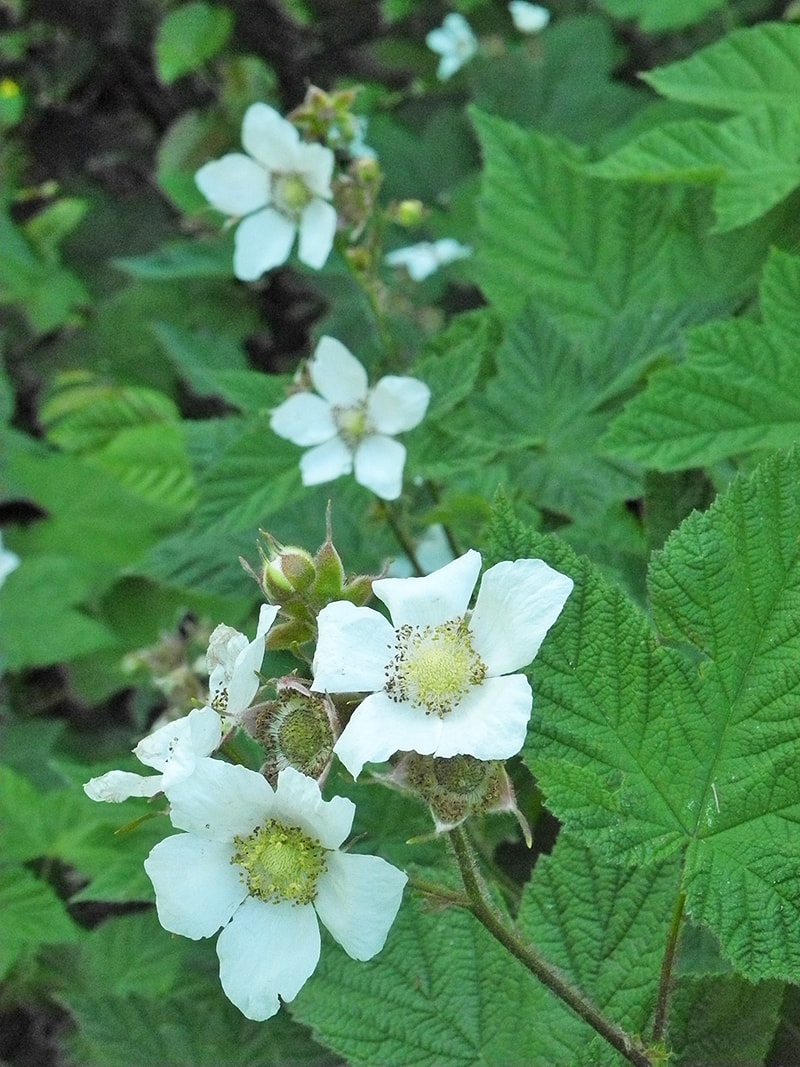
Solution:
(401, 536)
(439, 892)
(666, 968)
(491, 918)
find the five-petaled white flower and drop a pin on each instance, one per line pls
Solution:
(437, 674)
(455, 42)
(264, 865)
(174, 749)
(350, 426)
(282, 188)
(423, 259)
(233, 664)
(528, 18)
(9, 561)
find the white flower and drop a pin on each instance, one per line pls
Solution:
(528, 18)
(455, 42)
(423, 259)
(432, 551)
(233, 665)
(438, 673)
(282, 188)
(9, 561)
(350, 426)
(174, 749)
(264, 866)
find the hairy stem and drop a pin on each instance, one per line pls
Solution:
(666, 968)
(402, 538)
(491, 918)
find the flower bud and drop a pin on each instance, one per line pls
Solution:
(290, 571)
(408, 213)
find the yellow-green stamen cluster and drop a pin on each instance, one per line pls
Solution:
(434, 667)
(352, 423)
(280, 863)
(290, 194)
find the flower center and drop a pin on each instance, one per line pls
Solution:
(290, 194)
(434, 667)
(280, 863)
(352, 423)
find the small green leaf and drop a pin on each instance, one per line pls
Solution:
(30, 915)
(188, 36)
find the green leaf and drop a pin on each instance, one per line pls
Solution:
(443, 991)
(744, 70)
(736, 392)
(665, 15)
(30, 915)
(188, 36)
(754, 159)
(623, 259)
(182, 258)
(649, 749)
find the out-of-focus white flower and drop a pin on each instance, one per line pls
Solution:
(265, 866)
(9, 561)
(438, 674)
(423, 259)
(528, 18)
(455, 42)
(175, 750)
(432, 551)
(280, 190)
(233, 665)
(350, 426)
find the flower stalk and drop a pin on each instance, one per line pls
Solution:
(495, 923)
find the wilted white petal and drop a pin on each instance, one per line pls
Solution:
(490, 722)
(317, 231)
(434, 598)
(517, 604)
(358, 898)
(303, 419)
(379, 727)
(269, 137)
(325, 462)
(220, 800)
(353, 648)
(244, 680)
(267, 951)
(181, 741)
(528, 18)
(197, 887)
(262, 241)
(234, 184)
(298, 802)
(398, 404)
(115, 786)
(337, 374)
(378, 465)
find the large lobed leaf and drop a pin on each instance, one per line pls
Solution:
(735, 393)
(650, 748)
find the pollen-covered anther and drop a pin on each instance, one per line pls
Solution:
(280, 863)
(434, 667)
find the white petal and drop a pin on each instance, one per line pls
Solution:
(303, 419)
(244, 680)
(448, 65)
(177, 744)
(420, 260)
(234, 184)
(269, 138)
(220, 800)
(448, 250)
(358, 898)
(298, 802)
(436, 597)
(337, 374)
(325, 462)
(398, 404)
(197, 887)
(317, 231)
(379, 727)
(378, 464)
(517, 604)
(267, 951)
(315, 163)
(116, 786)
(262, 241)
(490, 722)
(353, 648)
(528, 18)
(439, 40)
